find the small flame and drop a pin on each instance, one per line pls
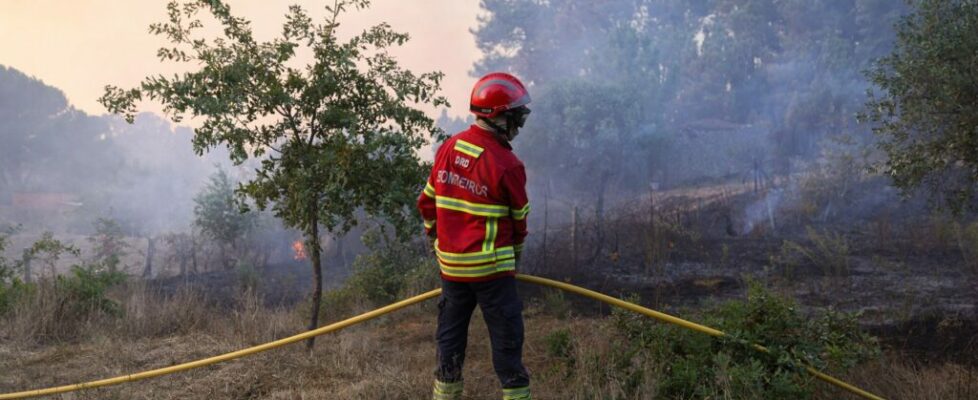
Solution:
(300, 250)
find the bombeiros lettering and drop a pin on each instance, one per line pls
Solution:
(451, 178)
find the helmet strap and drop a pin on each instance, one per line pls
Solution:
(499, 130)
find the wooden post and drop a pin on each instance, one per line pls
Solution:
(150, 251)
(27, 267)
(574, 237)
(652, 235)
(193, 253)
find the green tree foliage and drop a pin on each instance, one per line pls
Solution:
(219, 216)
(925, 114)
(49, 251)
(333, 137)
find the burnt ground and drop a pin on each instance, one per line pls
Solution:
(904, 270)
(279, 285)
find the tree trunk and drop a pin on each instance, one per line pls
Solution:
(193, 254)
(183, 251)
(312, 244)
(225, 257)
(652, 232)
(150, 251)
(27, 268)
(599, 214)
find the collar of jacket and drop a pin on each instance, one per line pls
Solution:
(490, 133)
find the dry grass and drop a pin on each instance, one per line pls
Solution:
(390, 358)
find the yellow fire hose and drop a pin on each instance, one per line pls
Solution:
(394, 307)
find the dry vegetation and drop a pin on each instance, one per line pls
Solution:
(570, 356)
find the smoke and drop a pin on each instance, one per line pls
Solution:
(143, 175)
(762, 211)
(635, 93)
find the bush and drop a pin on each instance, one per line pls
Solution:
(390, 271)
(828, 252)
(64, 307)
(10, 291)
(560, 345)
(555, 303)
(7, 279)
(700, 366)
(249, 277)
(84, 290)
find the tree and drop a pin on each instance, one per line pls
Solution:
(47, 145)
(108, 243)
(49, 250)
(218, 215)
(925, 114)
(335, 137)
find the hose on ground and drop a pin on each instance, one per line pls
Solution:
(397, 306)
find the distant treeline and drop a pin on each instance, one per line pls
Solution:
(143, 175)
(666, 92)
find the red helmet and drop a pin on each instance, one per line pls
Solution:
(496, 93)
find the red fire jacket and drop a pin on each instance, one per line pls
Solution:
(475, 201)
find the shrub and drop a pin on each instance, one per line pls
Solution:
(7, 279)
(391, 270)
(828, 252)
(700, 366)
(555, 303)
(84, 290)
(560, 345)
(249, 277)
(62, 308)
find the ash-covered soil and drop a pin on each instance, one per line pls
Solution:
(278, 285)
(905, 270)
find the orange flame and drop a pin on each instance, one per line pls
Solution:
(300, 250)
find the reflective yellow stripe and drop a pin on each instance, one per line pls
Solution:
(468, 148)
(521, 213)
(518, 247)
(428, 223)
(482, 210)
(492, 225)
(522, 393)
(480, 257)
(447, 391)
(479, 271)
(429, 190)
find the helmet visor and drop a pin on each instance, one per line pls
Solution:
(519, 115)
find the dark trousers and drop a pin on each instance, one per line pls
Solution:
(503, 313)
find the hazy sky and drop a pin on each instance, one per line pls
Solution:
(80, 46)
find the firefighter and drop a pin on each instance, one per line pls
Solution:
(474, 207)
